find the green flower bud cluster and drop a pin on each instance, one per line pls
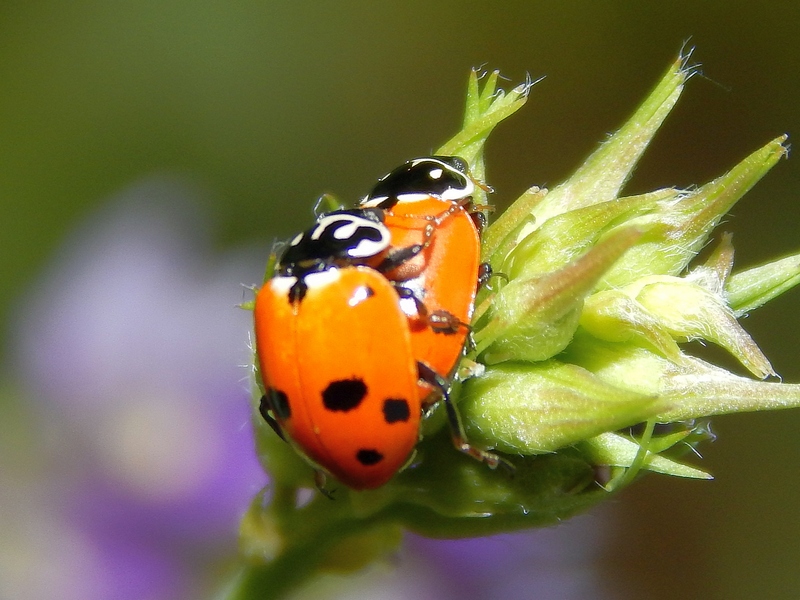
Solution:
(581, 338)
(576, 373)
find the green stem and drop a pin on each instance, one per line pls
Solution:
(297, 563)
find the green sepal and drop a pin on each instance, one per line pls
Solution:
(679, 227)
(613, 449)
(501, 236)
(485, 108)
(713, 274)
(747, 290)
(614, 316)
(565, 237)
(693, 389)
(327, 203)
(683, 437)
(535, 319)
(520, 408)
(688, 311)
(602, 175)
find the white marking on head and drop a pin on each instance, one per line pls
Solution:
(353, 223)
(426, 159)
(459, 193)
(373, 202)
(413, 197)
(436, 173)
(364, 248)
(296, 239)
(347, 231)
(367, 248)
(326, 222)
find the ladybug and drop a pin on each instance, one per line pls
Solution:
(334, 348)
(443, 279)
(348, 350)
(440, 283)
(339, 373)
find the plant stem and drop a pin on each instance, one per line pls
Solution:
(297, 563)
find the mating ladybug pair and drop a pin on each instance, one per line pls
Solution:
(365, 320)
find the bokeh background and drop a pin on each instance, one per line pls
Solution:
(150, 152)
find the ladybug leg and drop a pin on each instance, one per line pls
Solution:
(470, 343)
(483, 185)
(443, 216)
(433, 378)
(320, 479)
(477, 212)
(403, 255)
(485, 273)
(398, 257)
(479, 219)
(440, 321)
(263, 408)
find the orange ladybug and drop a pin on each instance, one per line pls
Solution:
(440, 283)
(334, 349)
(366, 316)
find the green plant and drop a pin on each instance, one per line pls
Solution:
(582, 382)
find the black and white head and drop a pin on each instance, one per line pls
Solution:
(347, 235)
(444, 177)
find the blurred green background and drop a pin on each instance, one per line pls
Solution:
(269, 104)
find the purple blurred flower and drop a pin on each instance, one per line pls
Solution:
(558, 563)
(132, 346)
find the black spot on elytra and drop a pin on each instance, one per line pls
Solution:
(368, 457)
(279, 403)
(396, 409)
(344, 395)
